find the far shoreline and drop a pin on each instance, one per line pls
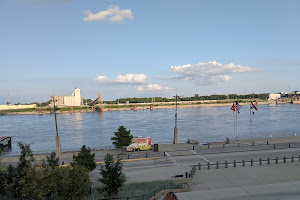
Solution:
(157, 105)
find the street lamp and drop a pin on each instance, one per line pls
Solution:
(57, 138)
(175, 140)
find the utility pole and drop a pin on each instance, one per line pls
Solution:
(57, 138)
(175, 140)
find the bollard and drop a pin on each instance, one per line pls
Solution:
(251, 162)
(238, 144)
(243, 163)
(164, 153)
(146, 155)
(199, 166)
(299, 158)
(276, 160)
(289, 145)
(217, 165)
(267, 142)
(208, 165)
(274, 146)
(189, 175)
(208, 146)
(260, 161)
(128, 156)
(226, 164)
(193, 147)
(252, 143)
(223, 145)
(234, 163)
(186, 175)
(284, 159)
(62, 163)
(268, 161)
(292, 158)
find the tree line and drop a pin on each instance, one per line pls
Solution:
(195, 98)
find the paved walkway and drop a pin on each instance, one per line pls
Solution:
(280, 181)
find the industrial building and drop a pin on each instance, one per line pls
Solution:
(74, 100)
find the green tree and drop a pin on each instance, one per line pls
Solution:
(84, 158)
(32, 184)
(122, 138)
(3, 181)
(72, 182)
(51, 161)
(111, 176)
(26, 158)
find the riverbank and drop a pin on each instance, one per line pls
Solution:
(139, 106)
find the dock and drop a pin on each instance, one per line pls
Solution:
(5, 141)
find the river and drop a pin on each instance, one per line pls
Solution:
(205, 124)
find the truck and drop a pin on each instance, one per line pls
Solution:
(139, 143)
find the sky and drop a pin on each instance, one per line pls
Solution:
(134, 48)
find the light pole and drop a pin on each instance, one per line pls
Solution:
(175, 140)
(57, 138)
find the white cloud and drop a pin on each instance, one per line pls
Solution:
(209, 72)
(113, 14)
(123, 79)
(153, 87)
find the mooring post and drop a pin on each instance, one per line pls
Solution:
(268, 161)
(276, 160)
(267, 142)
(260, 161)
(284, 159)
(289, 145)
(251, 162)
(243, 163)
(234, 163)
(226, 164)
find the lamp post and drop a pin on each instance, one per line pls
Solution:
(57, 138)
(175, 140)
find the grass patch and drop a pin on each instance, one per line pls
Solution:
(138, 189)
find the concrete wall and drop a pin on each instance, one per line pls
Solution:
(13, 107)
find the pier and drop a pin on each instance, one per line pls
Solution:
(5, 142)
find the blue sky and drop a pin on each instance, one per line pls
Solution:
(132, 48)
